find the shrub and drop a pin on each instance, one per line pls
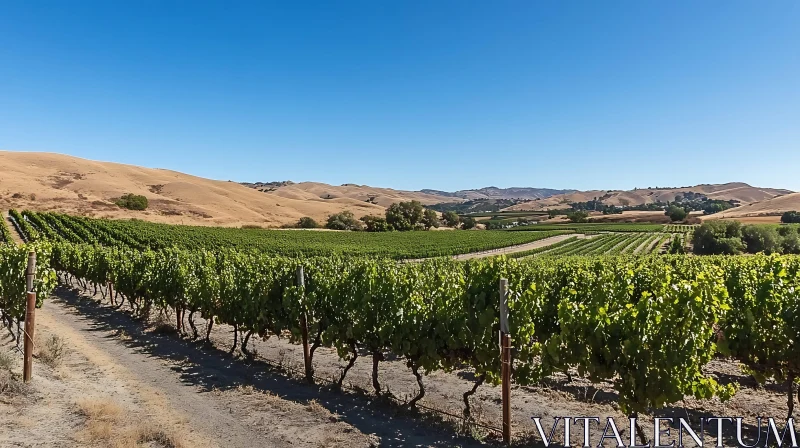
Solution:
(307, 223)
(343, 221)
(51, 352)
(376, 224)
(132, 202)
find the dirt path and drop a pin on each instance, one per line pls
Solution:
(14, 234)
(219, 400)
(519, 247)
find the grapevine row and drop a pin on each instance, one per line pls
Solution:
(647, 324)
(396, 245)
(13, 265)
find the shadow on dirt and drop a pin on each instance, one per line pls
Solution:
(210, 368)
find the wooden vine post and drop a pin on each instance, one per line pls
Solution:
(301, 282)
(505, 351)
(30, 316)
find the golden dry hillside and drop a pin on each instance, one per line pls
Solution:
(45, 181)
(763, 211)
(314, 191)
(737, 191)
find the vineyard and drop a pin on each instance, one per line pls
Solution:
(592, 227)
(5, 233)
(612, 244)
(649, 325)
(139, 234)
(679, 228)
(13, 263)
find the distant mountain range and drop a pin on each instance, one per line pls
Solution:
(500, 193)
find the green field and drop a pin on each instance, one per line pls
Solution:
(591, 227)
(397, 245)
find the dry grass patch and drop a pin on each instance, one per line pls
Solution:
(149, 435)
(51, 351)
(161, 324)
(108, 424)
(11, 386)
(321, 411)
(102, 416)
(6, 361)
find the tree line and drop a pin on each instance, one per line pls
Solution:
(733, 238)
(400, 216)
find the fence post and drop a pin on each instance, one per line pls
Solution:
(301, 281)
(30, 317)
(505, 349)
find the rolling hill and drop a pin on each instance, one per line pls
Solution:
(315, 191)
(767, 211)
(500, 193)
(736, 191)
(46, 181)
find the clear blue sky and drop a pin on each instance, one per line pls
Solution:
(412, 94)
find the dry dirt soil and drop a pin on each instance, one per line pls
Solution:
(124, 382)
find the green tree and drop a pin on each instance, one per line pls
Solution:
(718, 237)
(790, 217)
(343, 221)
(431, 219)
(451, 219)
(761, 239)
(468, 223)
(132, 202)
(578, 216)
(790, 244)
(376, 224)
(307, 223)
(405, 215)
(676, 213)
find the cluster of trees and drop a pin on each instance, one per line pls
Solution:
(676, 213)
(687, 201)
(476, 205)
(578, 216)
(401, 216)
(697, 202)
(132, 202)
(792, 217)
(731, 237)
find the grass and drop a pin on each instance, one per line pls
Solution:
(51, 351)
(106, 423)
(596, 227)
(6, 361)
